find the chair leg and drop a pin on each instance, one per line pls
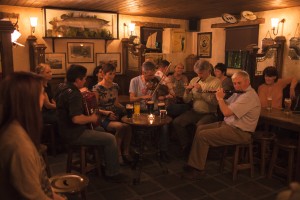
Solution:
(235, 162)
(273, 160)
(98, 161)
(290, 165)
(263, 157)
(69, 160)
(83, 160)
(223, 156)
(251, 160)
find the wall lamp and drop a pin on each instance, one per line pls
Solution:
(33, 24)
(275, 24)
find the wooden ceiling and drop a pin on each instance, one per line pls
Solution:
(177, 9)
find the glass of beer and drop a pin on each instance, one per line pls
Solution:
(161, 106)
(163, 114)
(137, 108)
(287, 106)
(129, 110)
(269, 103)
(150, 107)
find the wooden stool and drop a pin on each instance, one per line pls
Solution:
(48, 130)
(265, 138)
(43, 152)
(289, 146)
(83, 165)
(238, 153)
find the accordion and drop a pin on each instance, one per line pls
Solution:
(89, 102)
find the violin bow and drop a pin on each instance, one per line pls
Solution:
(161, 80)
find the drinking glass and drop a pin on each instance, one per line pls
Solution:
(161, 105)
(150, 107)
(129, 110)
(137, 108)
(269, 103)
(287, 106)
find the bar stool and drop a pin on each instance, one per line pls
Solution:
(239, 154)
(43, 152)
(84, 164)
(289, 146)
(264, 138)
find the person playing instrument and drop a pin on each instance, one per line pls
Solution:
(139, 91)
(162, 70)
(176, 84)
(106, 92)
(72, 122)
(273, 87)
(22, 168)
(241, 112)
(204, 104)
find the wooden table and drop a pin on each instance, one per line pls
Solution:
(278, 118)
(146, 137)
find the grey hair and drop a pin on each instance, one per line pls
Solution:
(241, 73)
(148, 66)
(202, 65)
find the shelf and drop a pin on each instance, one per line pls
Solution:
(74, 38)
(240, 23)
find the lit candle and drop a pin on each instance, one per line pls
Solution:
(151, 118)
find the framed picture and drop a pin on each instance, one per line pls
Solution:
(204, 45)
(80, 24)
(152, 38)
(114, 58)
(178, 40)
(80, 52)
(57, 62)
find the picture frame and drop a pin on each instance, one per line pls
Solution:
(80, 24)
(204, 45)
(178, 40)
(152, 38)
(57, 62)
(115, 58)
(80, 52)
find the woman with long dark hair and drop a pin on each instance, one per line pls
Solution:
(22, 169)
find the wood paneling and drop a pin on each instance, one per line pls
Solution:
(177, 9)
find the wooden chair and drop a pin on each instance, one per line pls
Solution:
(84, 164)
(49, 134)
(264, 138)
(290, 146)
(236, 162)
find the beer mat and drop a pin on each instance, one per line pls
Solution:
(68, 183)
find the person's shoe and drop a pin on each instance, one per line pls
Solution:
(164, 157)
(127, 159)
(119, 178)
(193, 174)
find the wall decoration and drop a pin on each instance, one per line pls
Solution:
(114, 58)
(57, 62)
(80, 24)
(178, 41)
(80, 52)
(152, 38)
(204, 45)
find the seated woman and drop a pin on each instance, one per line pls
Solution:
(220, 72)
(106, 92)
(273, 87)
(49, 106)
(96, 78)
(176, 84)
(22, 168)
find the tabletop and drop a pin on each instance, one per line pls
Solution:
(143, 120)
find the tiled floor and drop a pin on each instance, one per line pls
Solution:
(156, 185)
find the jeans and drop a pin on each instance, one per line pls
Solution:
(106, 140)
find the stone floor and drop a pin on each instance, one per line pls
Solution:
(156, 185)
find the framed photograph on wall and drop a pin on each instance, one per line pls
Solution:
(204, 45)
(57, 62)
(80, 24)
(114, 58)
(80, 52)
(178, 41)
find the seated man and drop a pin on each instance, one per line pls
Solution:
(72, 122)
(204, 104)
(139, 91)
(241, 113)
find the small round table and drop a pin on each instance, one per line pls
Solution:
(146, 130)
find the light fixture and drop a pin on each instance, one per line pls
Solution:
(275, 24)
(15, 36)
(131, 28)
(33, 24)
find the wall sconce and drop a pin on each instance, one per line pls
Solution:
(131, 28)
(275, 25)
(33, 24)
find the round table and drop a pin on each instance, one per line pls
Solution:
(146, 132)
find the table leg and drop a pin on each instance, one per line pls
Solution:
(297, 176)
